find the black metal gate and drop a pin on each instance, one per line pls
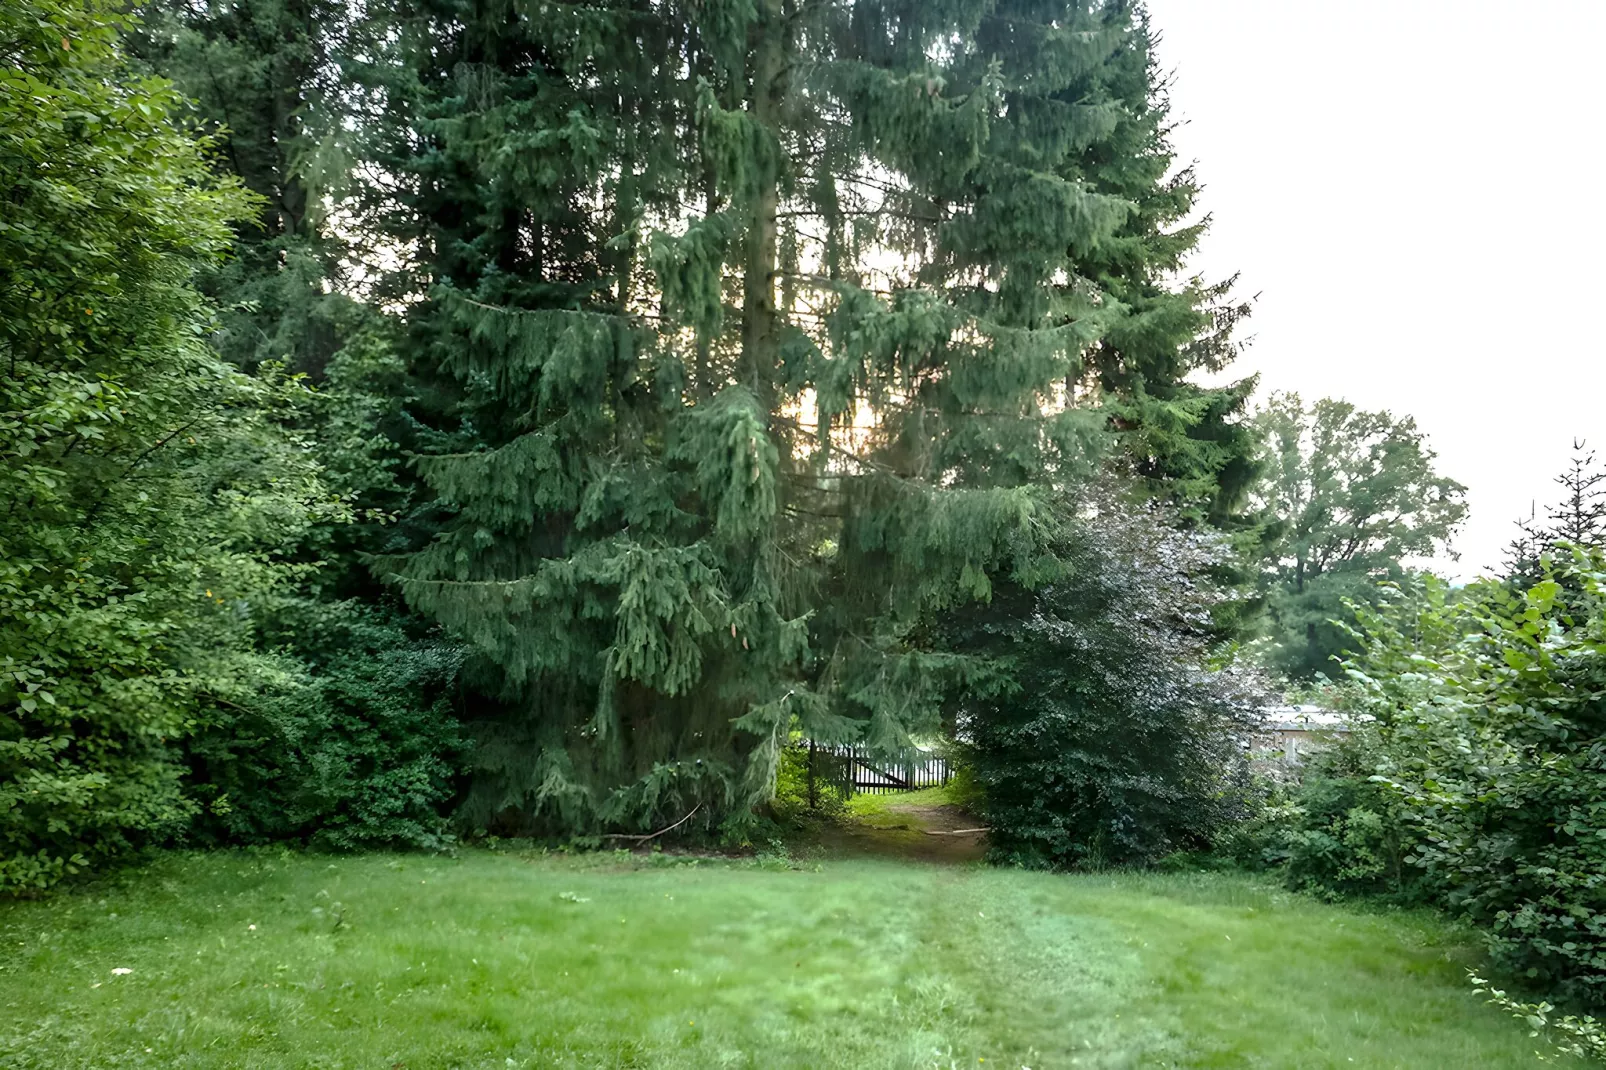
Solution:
(854, 770)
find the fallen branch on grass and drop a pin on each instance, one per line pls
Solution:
(954, 832)
(653, 835)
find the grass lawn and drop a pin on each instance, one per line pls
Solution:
(502, 959)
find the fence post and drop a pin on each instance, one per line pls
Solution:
(813, 799)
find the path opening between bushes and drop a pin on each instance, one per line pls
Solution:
(924, 825)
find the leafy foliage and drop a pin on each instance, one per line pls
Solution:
(724, 376)
(353, 744)
(1099, 733)
(1484, 772)
(339, 732)
(167, 511)
(1578, 1036)
(804, 793)
(1346, 834)
(1355, 497)
(145, 482)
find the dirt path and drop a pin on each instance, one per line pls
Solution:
(932, 832)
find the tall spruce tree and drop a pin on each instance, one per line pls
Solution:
(274, 86)
(751, 335)
(1579, 519)
(266, 84)
(1188, 442)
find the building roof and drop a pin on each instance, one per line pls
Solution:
(1308, 719)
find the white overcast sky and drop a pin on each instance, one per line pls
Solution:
(1414, 190)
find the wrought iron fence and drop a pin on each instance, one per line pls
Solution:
(855, 770)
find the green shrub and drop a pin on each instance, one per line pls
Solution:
(356, 746)
(1258, 842)
(964, 790)
(145, 491)
(1481, 784)
(1104, 736)
(795, 800)
(1346, 832)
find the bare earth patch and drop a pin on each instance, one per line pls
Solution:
(912, 826)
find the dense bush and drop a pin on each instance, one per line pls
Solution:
(347, 740)
(159, 501)
(1101, 735)
(1345, 834)
(145, 491)
(1481, 784)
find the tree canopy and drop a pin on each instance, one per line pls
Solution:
(147, 487)
(1356, 499)
(716, 420)
(681, 366)
(468, 416)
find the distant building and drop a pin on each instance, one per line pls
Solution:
(1292, 732)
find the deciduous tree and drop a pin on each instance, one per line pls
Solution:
(146, 486)
(1101, 732)
(1357, 498)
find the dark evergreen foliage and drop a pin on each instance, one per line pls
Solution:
(266, 83)
(752, 336)
(1577, 520)
(274, 89)
(733, 345)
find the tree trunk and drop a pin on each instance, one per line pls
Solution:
(292, 71)
(759, 319)
(703, 388)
